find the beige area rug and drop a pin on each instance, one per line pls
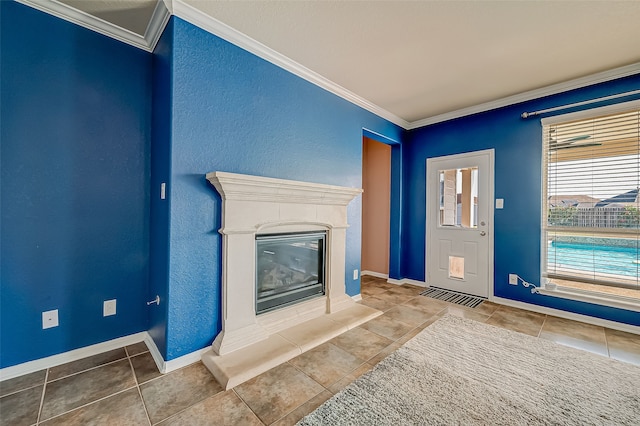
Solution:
(462, 372)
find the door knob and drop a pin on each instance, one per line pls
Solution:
(482, 233)
(482, 223)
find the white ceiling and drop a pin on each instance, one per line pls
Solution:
(421, 59)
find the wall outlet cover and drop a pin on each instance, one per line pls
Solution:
(513, 279)
(109, 308)
(50, 319)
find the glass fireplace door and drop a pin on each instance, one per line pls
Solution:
(290, 269)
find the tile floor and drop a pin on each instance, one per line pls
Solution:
(123, 386)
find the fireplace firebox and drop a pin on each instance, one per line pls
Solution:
(290, 268)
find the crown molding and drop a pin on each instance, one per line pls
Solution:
(63, 11)
(165, 8)
(158, 22)
(554, 89)
(233, 36)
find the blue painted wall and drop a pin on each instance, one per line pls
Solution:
(160, 173)
(518, 156)
(232, 111)
(75, 112)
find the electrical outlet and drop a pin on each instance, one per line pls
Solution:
(50, 319)
(513, 279)
(109, 308)
(355, 274)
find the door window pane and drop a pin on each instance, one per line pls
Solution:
(458, 197)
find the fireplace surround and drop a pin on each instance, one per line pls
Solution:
(253, 207)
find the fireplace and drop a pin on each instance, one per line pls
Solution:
(253, 206)
(283, 273)
(290, 268)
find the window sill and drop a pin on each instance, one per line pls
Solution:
(621, 302)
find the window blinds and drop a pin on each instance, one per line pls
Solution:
(591, 205)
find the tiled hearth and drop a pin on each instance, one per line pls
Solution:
(88, 391)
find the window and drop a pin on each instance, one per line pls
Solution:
(459, 197)
(591, 201)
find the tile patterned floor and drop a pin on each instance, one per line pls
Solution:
(124, 387)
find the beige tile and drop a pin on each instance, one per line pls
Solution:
(22, 382)
(173, 392)
(519, 320)
(375, 303)
(486, 308)
(346, 380)
(243, 364)
(410, 335)
(85, 363)
(408, 315)
(224, 408)
(429, 322)
(387, 327)
(327, 363)
(145, 367)
(576, 334)
(137, 348)
(361, 343)
(427, 305)
(83, 388)
(392, 297)
(371, 291)
(384, 353)
(623, 346)
(377, 282)
(294, 417)
(463, 312)
(21, 408)
(277, 392)
(407, 290)
(125, 408)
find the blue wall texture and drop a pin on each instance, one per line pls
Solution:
(518, 157)
(234, 112)
(75, 112)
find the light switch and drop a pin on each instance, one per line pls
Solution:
(499, 203)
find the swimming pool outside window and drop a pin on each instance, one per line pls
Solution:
(591, 200)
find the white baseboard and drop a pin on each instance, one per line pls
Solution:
(374, 274)
(73, 355)
(76, 354)
(357, 297)
(407, 281)
(173, 364)
(567, 315)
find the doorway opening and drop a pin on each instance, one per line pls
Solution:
(376, 207)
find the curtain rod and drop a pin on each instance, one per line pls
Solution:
(591, 101)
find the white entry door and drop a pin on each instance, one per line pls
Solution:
(460, 222)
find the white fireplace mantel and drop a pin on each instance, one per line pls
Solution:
(253, 205)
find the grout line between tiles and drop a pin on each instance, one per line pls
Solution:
(247, 405)
(542, 326)
(606, 342)
(44, 389)
(135, 378)
(23, 389)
